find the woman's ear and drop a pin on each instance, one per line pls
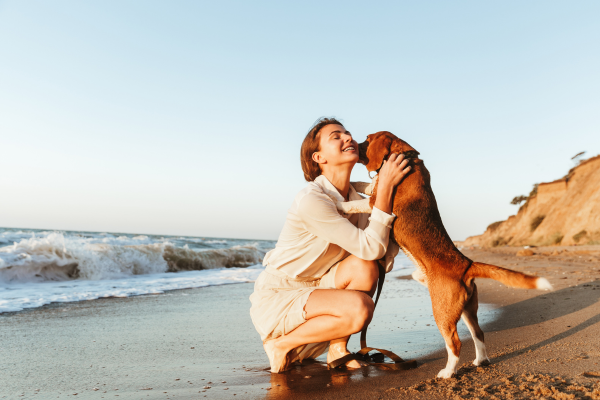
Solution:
(318, 158)
(378, 149)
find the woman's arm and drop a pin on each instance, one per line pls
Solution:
(391, 174)
(321, 218)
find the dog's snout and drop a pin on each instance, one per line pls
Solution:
(362, 152)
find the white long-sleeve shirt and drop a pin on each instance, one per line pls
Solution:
(315, 236)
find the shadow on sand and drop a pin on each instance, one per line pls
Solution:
(546, 307)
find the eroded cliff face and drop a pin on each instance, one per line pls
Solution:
(563, 212)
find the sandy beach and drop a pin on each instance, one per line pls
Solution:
(197, 343)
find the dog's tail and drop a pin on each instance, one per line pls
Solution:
(507, 276)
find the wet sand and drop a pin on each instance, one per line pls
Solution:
(176, 345)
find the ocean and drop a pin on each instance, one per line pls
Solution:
(39, 267)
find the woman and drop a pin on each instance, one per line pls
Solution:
(320, 249)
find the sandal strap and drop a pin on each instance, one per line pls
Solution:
(393, 356)
(399, 362)
(344, 359)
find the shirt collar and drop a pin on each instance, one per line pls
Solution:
(333, 193)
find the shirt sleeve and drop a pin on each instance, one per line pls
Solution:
(321, 218)
(390, 254)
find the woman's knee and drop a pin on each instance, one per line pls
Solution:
(361, 311)
(365, 270)
(357, 274)
(370, 269)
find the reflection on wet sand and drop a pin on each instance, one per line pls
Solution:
(314, 376)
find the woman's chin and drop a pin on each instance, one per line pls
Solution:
(350, 156)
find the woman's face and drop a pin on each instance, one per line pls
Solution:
(336, 147)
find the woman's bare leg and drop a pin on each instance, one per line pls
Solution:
(330, 314)
(353, 273)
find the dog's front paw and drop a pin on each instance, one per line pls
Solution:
(446, 373)
(482, 362)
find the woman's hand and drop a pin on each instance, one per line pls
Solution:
(390, 175)
(393, 171)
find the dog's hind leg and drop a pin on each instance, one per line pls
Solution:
(469, 317)
(448, 303)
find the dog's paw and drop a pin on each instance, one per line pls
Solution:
(420, 277)
(446, 373)
(483, 362)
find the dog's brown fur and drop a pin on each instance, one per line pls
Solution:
(420, 233)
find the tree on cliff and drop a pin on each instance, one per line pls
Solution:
(519, 199)
(577, 158)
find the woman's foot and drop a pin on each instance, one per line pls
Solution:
(277, 356)
(337, 349)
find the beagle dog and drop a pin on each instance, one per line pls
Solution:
(420, 233)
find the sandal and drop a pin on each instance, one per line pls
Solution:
(344, 359)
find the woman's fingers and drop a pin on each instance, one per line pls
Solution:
(402, 168)
(397, 158)
(394, 170)
(399, 162)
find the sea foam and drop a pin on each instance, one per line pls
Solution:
(19, 296)
(56, 257)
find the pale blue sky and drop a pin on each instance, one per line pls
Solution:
(186, 117)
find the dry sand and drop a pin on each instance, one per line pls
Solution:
(541, 344)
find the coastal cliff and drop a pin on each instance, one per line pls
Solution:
(563, 212)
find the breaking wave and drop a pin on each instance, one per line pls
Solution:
(56, 257)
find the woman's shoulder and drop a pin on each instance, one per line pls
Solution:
(313, 196)
(311, 190)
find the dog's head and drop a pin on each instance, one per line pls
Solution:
(379, 146)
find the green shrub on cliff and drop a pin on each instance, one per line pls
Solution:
(536, 222)
(578, 236)
(494, 226)
(556, 238)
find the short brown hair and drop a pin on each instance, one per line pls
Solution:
(310, 144)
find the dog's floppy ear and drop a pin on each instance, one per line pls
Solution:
(378, 150)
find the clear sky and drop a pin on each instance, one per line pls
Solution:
(186, 117)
